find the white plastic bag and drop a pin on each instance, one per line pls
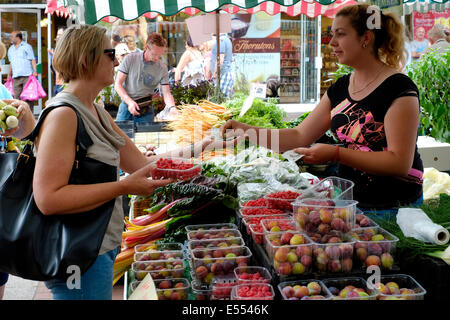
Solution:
(416, 224)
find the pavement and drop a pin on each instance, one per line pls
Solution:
(21, 289)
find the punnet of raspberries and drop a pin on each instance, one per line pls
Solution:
(260, 211)
(175, 169)
(261, 202)
(254, 292)
(248, 277)
(281, 200)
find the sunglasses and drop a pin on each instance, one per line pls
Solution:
(111, 53)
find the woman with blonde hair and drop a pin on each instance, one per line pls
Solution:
(373, 112)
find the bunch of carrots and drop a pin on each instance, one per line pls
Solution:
(145, 229)
(194, 122)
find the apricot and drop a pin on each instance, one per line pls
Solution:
(201, 272)
(314, 288)
(301, 292)
(393, 287)
(373, 261)
(288, 291)
(387, 260)
(292, 257)
(281, 254)
(298, 268)
(325, 216)
(296, 240)
(286, 237)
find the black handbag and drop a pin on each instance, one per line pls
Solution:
(39, 247)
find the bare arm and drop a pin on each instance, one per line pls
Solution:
(184, 60)
(168, 98)
(400, 124)
(280, 140)
(54, 161)
(33, 64)
(133, 107)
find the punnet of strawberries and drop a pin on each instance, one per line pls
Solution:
(178, 169)
(281, 200)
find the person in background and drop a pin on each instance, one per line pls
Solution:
(130, 41)
(191, 63)
(59, 83)
(206, 49)
(226, 72)
(373, 112)
(4, 93)
(437, 39)
(408, 48)
(121, 51)
(420, 43)
(447, 34)
(138, 76)
(22, 63)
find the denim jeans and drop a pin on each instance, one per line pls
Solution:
(95, 283)
(124, 115)
(391, 214)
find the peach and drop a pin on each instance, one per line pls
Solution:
(286, 237)
(377, 237)
(347, 265)
(298, 268)
(201, 272)
(314, 217)
(393, 287)
(387, 260)
(361, 253)
(346, 250)
(325, 216)
(334, 240)
(217, 253)
(333, 252)
(296, 240)
(166, 284)
(338, 224)
(334, 265)
(292, 257)
(301, 292)
(382, 288)
(303, 251)
(373, 261)
(288, 291)
(314, 288)
(275, 229)
(284, 268)
(306, 260)
(281, 254)
(374, 249)
(301, 219)
(276, 242)
(179, 285)
(323, 228)
(344, 213)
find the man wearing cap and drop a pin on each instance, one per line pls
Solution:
(138, 76)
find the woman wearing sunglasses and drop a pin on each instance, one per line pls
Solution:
(85, 59)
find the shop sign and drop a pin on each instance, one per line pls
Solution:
(429, 19)
(389, 6)
(243, 45)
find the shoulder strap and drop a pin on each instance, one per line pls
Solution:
(83, 141)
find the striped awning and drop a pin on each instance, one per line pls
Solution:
(58, 7)
(96, 10)
(424, 6)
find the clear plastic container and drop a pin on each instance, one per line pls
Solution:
(213, 234)
(257, 203)
(254, 291)
(374, 246)
(250, 220)
(362, 221)
(222, 285)
(200, 290)
(207, 264)
(335, 256)
(279, 225)
(252, 274)
(215, 243)
(310, 289)
(255, 211)
(331, 188)
(192, 169)
(168, 246)
(325, 215)
(159, 269)
(257, 232)
(350, 288)
(172, 289)
(214, 226)
(287, 260)
(399, 287)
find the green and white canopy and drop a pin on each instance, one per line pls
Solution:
(96, 10)
(424, 6)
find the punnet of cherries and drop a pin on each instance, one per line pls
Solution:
(178, 169)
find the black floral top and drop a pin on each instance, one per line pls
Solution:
(359, 125)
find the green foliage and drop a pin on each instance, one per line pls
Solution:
(109, 96)
(341, 71)
(296, 122)
(431, 74)
(261, 114)
(193, 94)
